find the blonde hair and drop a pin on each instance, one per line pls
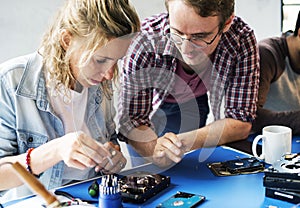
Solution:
(93, 23)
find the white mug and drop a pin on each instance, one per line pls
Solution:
(276, 141)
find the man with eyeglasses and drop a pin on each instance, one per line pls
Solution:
(198, 46)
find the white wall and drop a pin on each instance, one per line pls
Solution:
(22, 22)
(146, 8)
(264, 16)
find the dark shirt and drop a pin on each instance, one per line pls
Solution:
(279, 96)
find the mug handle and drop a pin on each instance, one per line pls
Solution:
(254, 144)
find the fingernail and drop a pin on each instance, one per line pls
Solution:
(177, 151)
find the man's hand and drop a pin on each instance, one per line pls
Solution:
(168, 150)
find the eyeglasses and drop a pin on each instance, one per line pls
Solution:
(195, 41)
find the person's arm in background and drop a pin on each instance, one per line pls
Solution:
(272, 64)
(286, 118)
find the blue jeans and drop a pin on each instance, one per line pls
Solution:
(181, 117)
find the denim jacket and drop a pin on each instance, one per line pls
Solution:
(28, 120)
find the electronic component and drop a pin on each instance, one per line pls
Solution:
(182, 200)
(236, 167)
(284, 173)
(140, 186)
(282, 179)
(283, 194)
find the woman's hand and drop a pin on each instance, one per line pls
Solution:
(78, 150)
(115, 162)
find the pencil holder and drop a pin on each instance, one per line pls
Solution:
(109, 193)
(110, 200)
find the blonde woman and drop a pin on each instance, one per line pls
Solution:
(57, 114)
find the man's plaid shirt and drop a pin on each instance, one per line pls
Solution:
(148, 73)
